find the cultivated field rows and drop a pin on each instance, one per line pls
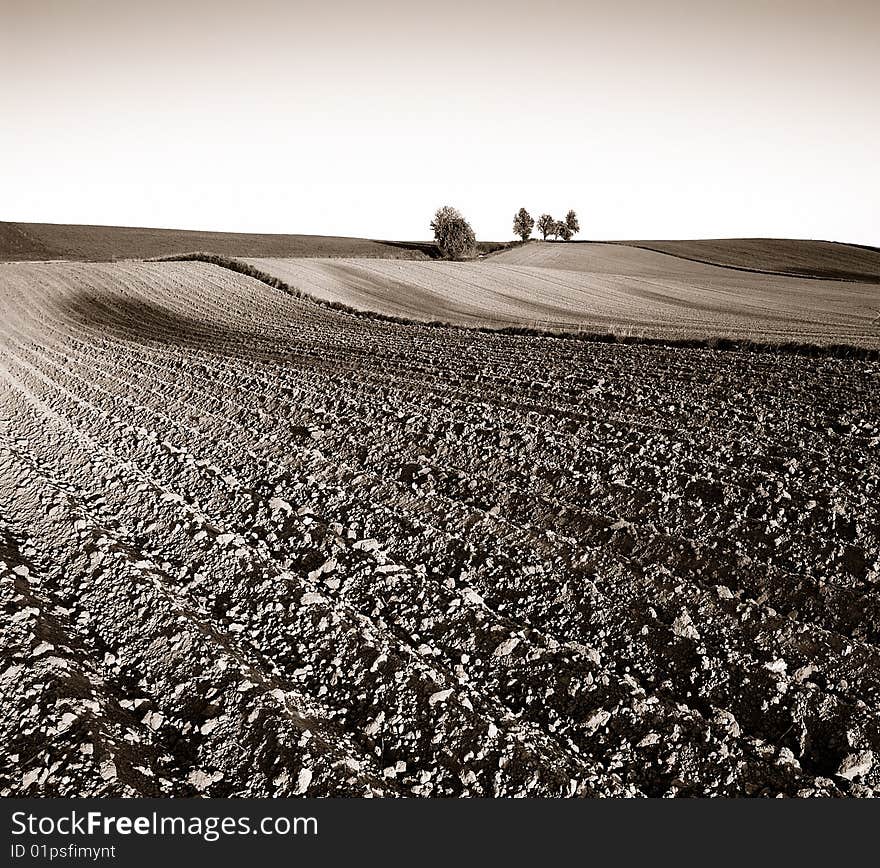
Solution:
(598, 288)
(251, 546)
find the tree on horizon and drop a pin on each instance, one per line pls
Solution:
(546, 224)
(453, 234)
(523, 224)
(561, 229)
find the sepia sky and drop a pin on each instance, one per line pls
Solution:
(652, 119)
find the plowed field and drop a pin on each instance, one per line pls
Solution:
(253, 546)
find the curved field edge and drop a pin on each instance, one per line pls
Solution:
(719, 342)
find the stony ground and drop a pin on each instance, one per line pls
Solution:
(249, 546)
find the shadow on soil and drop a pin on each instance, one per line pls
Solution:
(149, 323)
(431, 251)
(427, 248)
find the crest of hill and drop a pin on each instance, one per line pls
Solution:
(596, 257)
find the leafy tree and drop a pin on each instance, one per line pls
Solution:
(563, 231)
(571, 221)
(523, 224)
(453, 234)
(546, 224)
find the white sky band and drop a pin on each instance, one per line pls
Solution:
(681, 119)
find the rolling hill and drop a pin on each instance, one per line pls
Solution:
(823, 259)
(764, 290)
(599, 288)
(40, 241)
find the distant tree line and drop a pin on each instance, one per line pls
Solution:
(456, 239)
(547, 225)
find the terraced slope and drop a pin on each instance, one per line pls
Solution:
(824, 259)
(597, 287)
(251, 546)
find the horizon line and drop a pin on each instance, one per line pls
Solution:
(428, 240)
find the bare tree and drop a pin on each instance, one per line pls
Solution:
(523, 224)
(453, 233)
(546, 225)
